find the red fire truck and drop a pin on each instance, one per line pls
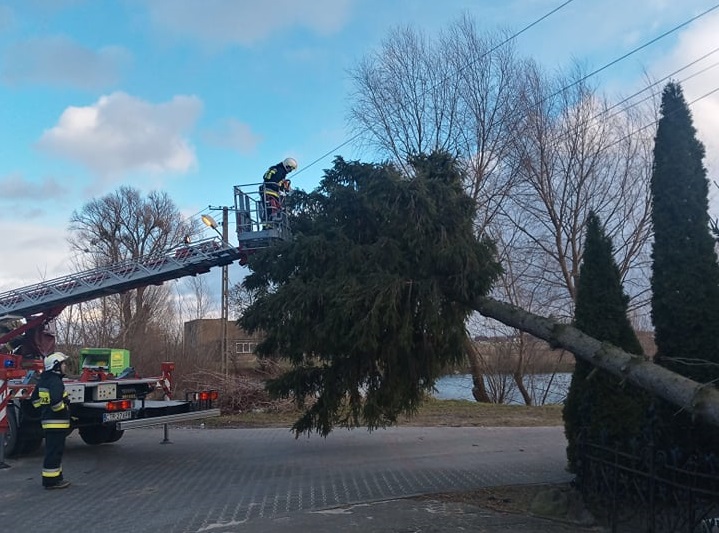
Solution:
(104, 404)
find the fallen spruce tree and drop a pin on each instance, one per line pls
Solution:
(701, 400)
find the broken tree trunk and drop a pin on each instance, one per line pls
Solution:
(701, 400)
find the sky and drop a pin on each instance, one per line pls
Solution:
(193, 97)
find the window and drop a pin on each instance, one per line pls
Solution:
(245, 347)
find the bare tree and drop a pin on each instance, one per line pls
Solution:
(572, 158)
(120, 226)
(241, 298)
(540, 152)
(404, 97)
(454, 94)
(198, 303)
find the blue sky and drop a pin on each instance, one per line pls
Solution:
(195, 96)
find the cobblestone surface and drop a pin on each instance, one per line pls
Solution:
(265, 479)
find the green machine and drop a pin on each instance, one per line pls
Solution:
(113, 360)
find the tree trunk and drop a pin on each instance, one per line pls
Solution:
(518, 377)
(479, 390)
(518, 374)
(701, 400)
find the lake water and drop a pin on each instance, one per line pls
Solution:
(544, 388)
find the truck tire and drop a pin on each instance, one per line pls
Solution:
(10, 439)
(23, 437)
(115, 435)
(29, 443)
(94, 435)
(30, 434)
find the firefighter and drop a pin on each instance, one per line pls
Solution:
(51, 397)
(275, 182)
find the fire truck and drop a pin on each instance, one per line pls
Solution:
(104, 404)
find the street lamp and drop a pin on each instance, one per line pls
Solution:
(212, 223)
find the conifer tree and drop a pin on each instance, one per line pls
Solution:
(685, 275)
(597, 401)
(368, 302)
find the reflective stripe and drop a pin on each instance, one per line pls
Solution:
(43, 397)
(52, 472)
(59, 406)
(56, 424)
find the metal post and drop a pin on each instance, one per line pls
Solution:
(225, 291)
(166, 434)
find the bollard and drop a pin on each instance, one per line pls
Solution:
(4, 422)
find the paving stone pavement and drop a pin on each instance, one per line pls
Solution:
(266, 480)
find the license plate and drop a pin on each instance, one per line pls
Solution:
(114, 417)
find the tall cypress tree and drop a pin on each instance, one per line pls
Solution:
(685, 276)
(609, 410)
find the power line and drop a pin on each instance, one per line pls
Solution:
(500, 45)
(655, 122)
(509, 39)
(605, 114)
(632, 52)
(668, 76)
(584, 78)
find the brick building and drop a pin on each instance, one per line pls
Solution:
(205, 336)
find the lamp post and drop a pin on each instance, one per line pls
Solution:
(209, 221)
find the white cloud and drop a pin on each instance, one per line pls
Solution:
(694, 42)
(33, 220)
(245, 23)
(234, 135)
(16, 187)
(121, 134)
(58, 60)
(38, 251)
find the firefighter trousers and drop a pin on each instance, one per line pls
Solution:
(52, 464)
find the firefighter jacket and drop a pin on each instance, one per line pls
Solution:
(273, 180)
(51, 397)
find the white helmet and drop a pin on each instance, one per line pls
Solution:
(290, 164)
(53, 361)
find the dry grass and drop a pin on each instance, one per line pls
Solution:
(434, 413)
(467, 413)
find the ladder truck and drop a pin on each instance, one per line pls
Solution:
(104, 405)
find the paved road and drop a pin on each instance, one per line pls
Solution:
(264, 480)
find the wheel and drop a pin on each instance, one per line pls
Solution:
(115, 435)
(29, 444)
(10, 438)
(94, 435)
(24, 436)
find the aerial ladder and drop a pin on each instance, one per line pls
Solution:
(253, 233)
(92, 396)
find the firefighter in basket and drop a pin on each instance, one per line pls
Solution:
(275, 185)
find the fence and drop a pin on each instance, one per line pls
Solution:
(649, 490)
